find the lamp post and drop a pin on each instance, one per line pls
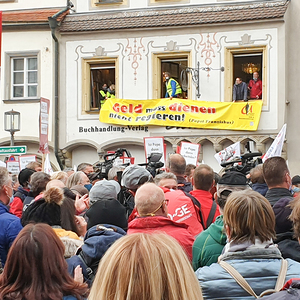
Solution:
(196, 75)
(12, 123)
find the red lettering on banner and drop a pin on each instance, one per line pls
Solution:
(138, 109)
(193, 108)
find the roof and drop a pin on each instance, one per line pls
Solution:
(30, 16)
(179, 16)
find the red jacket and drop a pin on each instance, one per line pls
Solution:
(163, 225)
(255, 89)
(205, 199)
(182, 210)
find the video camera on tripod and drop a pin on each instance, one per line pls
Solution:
(152, 165)
(243, 164)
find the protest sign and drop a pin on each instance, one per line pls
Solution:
(190, 152)
(154, 145)
(230, 153)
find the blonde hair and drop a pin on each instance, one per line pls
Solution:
(295, 215)
(145, 267)
(60, 175)
(249, 215)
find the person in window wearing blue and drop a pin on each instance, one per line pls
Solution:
(173, 89)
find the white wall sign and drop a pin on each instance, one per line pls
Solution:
(190, 152)
(154, 145)
(24, 160)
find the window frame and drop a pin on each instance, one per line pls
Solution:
(228, 64)
(86, 81)
(157, 71)
(7, 64)
(26, 83)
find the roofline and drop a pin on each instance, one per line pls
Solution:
(166, 7)
(273, 20)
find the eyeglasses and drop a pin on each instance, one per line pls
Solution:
(152, 214)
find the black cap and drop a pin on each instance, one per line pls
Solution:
(24, 176)
(296, 180)
(233, 178)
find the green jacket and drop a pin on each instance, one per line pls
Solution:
(209, 244)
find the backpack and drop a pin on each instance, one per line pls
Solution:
(91, 266)
(197, 206)
(245, 285)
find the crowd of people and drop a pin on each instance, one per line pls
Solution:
(188, 233)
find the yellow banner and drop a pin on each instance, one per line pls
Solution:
(183, 113)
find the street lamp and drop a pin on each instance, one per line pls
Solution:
(196, 75)
(12, 123)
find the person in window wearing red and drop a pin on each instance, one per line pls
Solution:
(255, 87)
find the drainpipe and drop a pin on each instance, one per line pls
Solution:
(53, 23)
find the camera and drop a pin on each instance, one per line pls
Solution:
(243, 164)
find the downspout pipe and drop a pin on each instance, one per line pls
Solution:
(53, 23)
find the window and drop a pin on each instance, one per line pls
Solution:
(24, 77)
(242, 63)
(109, 3)
(98, 74)
(174, 64)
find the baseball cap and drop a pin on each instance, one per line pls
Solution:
(133, 176)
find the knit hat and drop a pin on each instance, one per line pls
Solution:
(104, 189)
(45, 210)
(133, 176)
(24, 176)
(296, 180)
(107, 212)
(230, 182)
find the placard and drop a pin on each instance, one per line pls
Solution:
(154, 145)
(190, 152)
(24, 160)
(13, 167)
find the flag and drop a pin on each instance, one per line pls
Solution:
(47, 165)
(276, 147)
(230, 153)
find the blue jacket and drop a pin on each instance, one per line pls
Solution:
(96, 243)
(10, 226)
(260, 268)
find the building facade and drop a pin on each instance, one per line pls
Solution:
(129, 44)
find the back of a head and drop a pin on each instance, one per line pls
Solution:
(148, 198)
(60, 175)
(37, 248)
(295, 216)
(38, 182)
(113, 172)
(203, 177)
(249, 215)
(274, 171)
(256, 174)
(177, 164)
(145, 267)
(34, 165)
(4, 177)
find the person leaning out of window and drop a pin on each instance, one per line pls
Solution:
(172, 86)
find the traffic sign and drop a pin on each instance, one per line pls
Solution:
(13, 150)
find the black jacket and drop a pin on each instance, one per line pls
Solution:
(273, 195)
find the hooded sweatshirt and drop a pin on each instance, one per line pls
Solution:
(209, 244)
